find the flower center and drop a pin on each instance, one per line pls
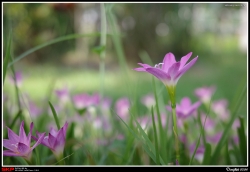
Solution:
(159, 65)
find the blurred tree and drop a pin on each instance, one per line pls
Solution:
(35, 23)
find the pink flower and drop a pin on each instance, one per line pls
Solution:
(148, 100)
(106, 103)
(144, 121)
(236, 124)
(214, 138)
(220, 108)
(185, 108)
(18, 77)
(33, 109)
(55, 140)
(209, 123)
(122, 106)
(63, 94)
(169, 71)
(199, 152)
(84, 100)
(20, 145)
(205, 93)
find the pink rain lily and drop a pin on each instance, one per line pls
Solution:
(34, 109)
(122, 106)
(209, 123)
(84, 100)
(205, 93)
(220, 108)
(144, 121)
(185, 108)
(169, 71)
(55, 140)
(18, 77)
(148, 100)
(20, 145)
(62, 94)
(214, 138)
(199, 152)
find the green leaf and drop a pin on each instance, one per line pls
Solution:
(227, 129)
(147, 140)
(207, 154)
(156, 140)
(162, 134)
(243, 140)
(134, 134)
(7, 57)
(22, 161)
(228, 159)
(38, 161)
(55, 115)
(98, 49)
(196, 147)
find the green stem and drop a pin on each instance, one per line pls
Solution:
(156, 139)
(176, 135)
(171, 92)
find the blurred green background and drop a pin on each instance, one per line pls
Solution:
(216, 32)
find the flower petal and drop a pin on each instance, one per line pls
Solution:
(65, 129)
(22, 135)
(184, 59)
(173, 70)
(59, 143)
(144, 65)
(158, 73)
(53, 132)
(185, 68)
(44, 141)
(10, 153)
(12, 136)
(168, 61)
(140, 69)
(39, 141)
(185, 103)
(23, 149)
(51, 140)
(60, 139)
(30, 133)
(10, 144)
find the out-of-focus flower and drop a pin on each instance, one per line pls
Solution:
(34, 109)
(214, 138)
(18, 77)
(63, 94)
(148, 100)
(163, 117)
(199, 152)
(97, 123)
(205, 93)
(169, 71)
(236, 124)
(20, 145)
(84, 100)
(144, 121)
(220, 108)
(185, 108)
(209, 124)
(57, 108)
(122, 106)
(55, 140)
(106, 103)
(183, 138)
